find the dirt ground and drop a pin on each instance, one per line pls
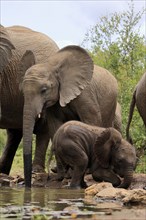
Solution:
(42, 180)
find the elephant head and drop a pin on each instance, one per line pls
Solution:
(61, 79)
(115, 152)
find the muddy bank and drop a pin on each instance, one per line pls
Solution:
(136, 193)
(42, 180)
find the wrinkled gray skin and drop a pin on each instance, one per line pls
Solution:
(6, 48)
(19, 39)
(102, 150)
(138, 99)
(63, 89)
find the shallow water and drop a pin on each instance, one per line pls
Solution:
(44, 203)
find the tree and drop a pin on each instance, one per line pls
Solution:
(115, 42)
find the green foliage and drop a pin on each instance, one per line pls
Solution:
(2, 139)
(141, 166)
(17, 166)
(116, 38)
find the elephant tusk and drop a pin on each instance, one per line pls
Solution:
(39, 115)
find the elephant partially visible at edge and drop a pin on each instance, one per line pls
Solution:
(67, 87)
(14, 42)
(6, 48)
(138, 99)
(103, 151)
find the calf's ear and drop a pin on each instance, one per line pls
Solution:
(102, 148)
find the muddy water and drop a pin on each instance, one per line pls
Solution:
(44, 203)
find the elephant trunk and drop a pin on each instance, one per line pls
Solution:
(28, 126)
(127, 179)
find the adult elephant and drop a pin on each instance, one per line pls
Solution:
(11, 98)
(6, 48)
(65, 88)
(138, 99)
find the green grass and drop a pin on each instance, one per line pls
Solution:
(17, 166)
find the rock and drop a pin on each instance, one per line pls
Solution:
(112, 193)
(5, 182)
(105, 191)
(94, 189)
(135, 196)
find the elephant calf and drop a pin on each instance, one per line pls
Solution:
(101, 150)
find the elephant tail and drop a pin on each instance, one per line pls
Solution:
(132, 105)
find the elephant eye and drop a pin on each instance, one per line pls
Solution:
(43, 90)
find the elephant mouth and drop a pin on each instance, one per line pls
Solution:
(50, 103)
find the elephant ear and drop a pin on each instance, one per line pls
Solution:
(6, 48)
(27, 60)
(74, 72)
(102, 148)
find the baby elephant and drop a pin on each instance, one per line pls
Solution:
(101, 150)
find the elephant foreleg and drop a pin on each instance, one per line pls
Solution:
(42, 141)
(13, 139)
(107, 175)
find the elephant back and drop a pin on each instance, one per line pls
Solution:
(26, 39)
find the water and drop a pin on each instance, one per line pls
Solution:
(44, 203)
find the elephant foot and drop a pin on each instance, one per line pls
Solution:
(68, 174)
(84, 185)
(38, 169)
(55, 177)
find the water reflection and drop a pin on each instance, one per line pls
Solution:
(22, 196)
(45, 200)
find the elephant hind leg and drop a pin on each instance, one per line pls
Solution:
(13, 139)
(106, 175)
(73, 156)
